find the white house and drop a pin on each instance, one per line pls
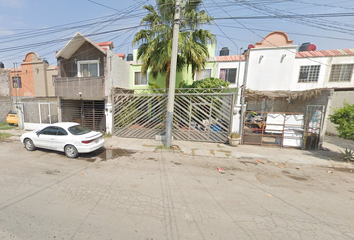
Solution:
(281, 78)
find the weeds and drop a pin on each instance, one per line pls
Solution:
(107, 135)
(5, 126)
(4, 136)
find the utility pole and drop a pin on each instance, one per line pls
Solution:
(247, 55)
(171, 90)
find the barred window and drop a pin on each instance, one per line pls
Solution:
(309, 73)
(341, 73)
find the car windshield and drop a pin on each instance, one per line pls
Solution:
(78, 130)
(13, 112)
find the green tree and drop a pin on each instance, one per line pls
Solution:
(344, 117)
(156, 40)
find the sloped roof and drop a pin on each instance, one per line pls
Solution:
(231, 58)
(326, 53)
(74, 44)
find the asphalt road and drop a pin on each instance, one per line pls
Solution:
(165, 195)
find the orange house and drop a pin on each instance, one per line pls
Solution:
(34, 78)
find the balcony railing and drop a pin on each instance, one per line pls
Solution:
(80, 87)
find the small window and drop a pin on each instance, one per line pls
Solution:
(140, 79)
(309, 73)
(341, 73)
(88, 68)
(78, 130)
(16, 82)
(49, 131)
(205, 73)
(62, 132)
(228, 75)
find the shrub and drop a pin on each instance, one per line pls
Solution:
(344, 117)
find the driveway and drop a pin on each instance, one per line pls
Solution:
(123, 194)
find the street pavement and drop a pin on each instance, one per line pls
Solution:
(330, 157)
(134, 190)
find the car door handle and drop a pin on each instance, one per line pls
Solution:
(52, 139)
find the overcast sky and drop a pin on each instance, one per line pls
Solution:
(44, 26)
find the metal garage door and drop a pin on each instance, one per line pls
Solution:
(88, 113)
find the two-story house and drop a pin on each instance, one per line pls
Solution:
(33, 78)
(87, 71)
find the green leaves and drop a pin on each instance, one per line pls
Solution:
(207, 83)
(344, 117)
(156, 40)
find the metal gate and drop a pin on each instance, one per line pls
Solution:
(313, 126)
(89, 113)
(199, 114)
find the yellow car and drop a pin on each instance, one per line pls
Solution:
(12, 117)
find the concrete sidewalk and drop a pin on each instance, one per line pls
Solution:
(328, 157)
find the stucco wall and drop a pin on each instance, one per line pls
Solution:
(39, 79)
(5, 83)
(5, 107)
(271, 68)
(118, 73)
(240, 69)
(50, 72)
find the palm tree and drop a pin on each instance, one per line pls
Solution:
(156, 40)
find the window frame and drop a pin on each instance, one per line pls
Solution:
(147, 78)
(341, 73)
(225, 74)
(310, 73)
(211, 73)
(17, 82)
(42, 132)
(63, 130)
(79, 63)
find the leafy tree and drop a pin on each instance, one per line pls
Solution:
(156, 40)
(344, 117)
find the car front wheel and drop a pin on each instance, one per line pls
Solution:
(71, 151)
(29, 145)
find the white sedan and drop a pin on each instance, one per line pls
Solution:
(68, 137)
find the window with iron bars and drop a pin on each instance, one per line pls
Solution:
(309, 73)
(341, 73)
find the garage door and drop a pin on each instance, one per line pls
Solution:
(86, 112)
